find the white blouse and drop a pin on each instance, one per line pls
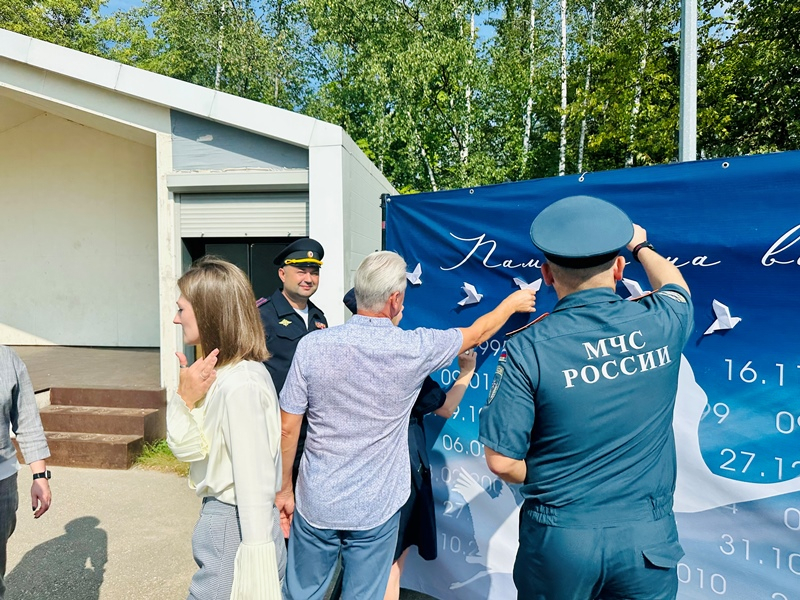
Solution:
(232, 441)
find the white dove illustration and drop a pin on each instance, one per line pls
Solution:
(473, 297)
(634, 289)
(697, 488)
(724, 319)
(533, 285)
(500, 516)
(414, 276)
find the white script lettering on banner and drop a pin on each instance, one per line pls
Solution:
(697, 261)
(767, 260)
(481, 241)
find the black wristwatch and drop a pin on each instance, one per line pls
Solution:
(638, 247)
(42, 475)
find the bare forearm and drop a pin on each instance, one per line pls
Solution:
(455, 395)
(38, 466)
(290, 433)
(486, 326)
(510, 470)
(659, 270)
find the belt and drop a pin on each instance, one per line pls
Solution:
(651, 509)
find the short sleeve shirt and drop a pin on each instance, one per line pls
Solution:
(585, 396)
(357, 383)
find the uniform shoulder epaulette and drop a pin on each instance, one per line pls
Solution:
(674, 295)
(645, 295)
(524, 327)
(261, 302)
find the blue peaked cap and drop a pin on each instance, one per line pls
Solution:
(579, 232)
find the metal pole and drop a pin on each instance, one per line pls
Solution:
(384, 203)
(687, 144)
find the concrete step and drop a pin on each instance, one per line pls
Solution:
(144, 422)
(93, 450)
(105, 428)
(110, 397)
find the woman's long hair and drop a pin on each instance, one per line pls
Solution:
(225, 308)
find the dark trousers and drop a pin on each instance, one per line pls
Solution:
(636, 561)
(9, 502)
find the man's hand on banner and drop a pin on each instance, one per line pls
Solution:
(523, 301)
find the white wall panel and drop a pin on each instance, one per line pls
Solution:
(78, 238)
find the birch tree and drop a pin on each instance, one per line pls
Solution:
(586, 87)
(562, 144)
(528, 123)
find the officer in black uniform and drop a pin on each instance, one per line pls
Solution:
(289, 314)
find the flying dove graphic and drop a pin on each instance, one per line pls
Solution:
(414, 277)
(697, 487)
(534, 285)
(500, 516)
(473, 297)
(724, 319)
(634, 289)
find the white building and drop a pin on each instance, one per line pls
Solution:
(112, 179)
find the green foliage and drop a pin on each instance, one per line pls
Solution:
(752, 75)
(64, 22)
(452, 93)
(157, 456)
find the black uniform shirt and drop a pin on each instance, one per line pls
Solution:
(284, 328)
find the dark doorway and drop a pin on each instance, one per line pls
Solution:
(254, 256)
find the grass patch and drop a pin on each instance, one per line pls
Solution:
(158, 457)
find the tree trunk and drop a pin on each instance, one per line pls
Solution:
(280, 40)
(637, 96)
(423, 153)
(526, 136)
(582, 139)
(562, 149)
(220, 43)
(465, 147)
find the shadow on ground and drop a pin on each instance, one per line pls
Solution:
(69, 566)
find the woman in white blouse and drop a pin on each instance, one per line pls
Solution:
(226, 424)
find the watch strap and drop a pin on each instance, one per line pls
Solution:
(42, 475)
(640, 246)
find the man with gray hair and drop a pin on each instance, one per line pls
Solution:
(357, 383)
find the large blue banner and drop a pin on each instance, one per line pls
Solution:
(733, 228)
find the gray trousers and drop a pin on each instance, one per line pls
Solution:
(9, 502)
(215, 541)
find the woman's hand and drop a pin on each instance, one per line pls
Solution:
(196, 380)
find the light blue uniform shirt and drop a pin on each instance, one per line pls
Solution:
(358, 382)
(585, 396)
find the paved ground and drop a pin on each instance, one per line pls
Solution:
(110, 535)
(65, 366)
(113, 535)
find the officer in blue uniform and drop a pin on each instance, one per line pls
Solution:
(289, 314)
(580, 413)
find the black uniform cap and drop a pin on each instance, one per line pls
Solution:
(350, 301)
(304, 252)
(581, 232)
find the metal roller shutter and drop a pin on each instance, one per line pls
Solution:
(280, 214)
